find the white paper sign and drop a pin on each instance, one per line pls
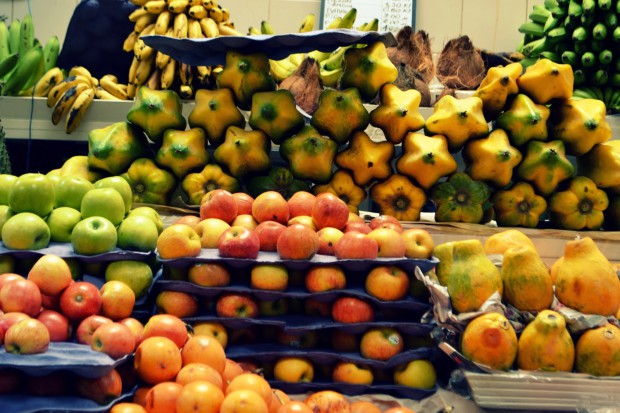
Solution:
(392, 14)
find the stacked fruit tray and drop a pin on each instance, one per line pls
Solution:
(296, 323)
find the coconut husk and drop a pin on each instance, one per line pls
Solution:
(460, 65)
(447, 91)
(305, 85)
(414, 50)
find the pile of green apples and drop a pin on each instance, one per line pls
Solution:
(94, 217)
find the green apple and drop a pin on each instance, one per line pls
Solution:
(70, 190)
(32, 192)
(25, 231)
(6, 182)
(103, 202)
(94, 235)
(121, 185)
(5, 213)
(61, 222)
(137, 233)
(138, 275)
(418, 373)
(151, 213)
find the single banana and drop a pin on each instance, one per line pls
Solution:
(110, 84)
(26, 34)
(253, 31)
(336, 59)
(82, 71)
(180, 26)
(348, 19)
(209, 27)
(228, 23)
(57, 91)
(203, 73)
(330, 78)
(161, 59)
(131, 90)
(372, 26)
(145, 67)
(154, 80)
(155, 6)
(4, 41)
(280, 72)
(131, 77)
(194, 31)
(334, 24)
(195, 3)
(66, 100)
(163, 22)
(102, 94)
(7, 65)
(186, 91)
(178, 6)
(228, 31)
(14, 29)
(137, 13)
(198, 12)
(29, 68)
(141, 49)
(130, 41)
(209, 4)
(144, 21)
(307, 25)
(266, 28)
(185, 74)
(78, 110)
(297, 58)
(225, 14)
(50, 79)
(51, 51)
(216, 14)
(167, 75)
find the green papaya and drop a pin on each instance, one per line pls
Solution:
(367, 69)
(276, 114)
(244, 152)
(339, 114)
(114, 147)
(155, 111)
(214, 112)
(524, 120)
(279, 179)
(310, 155)
(545, 165)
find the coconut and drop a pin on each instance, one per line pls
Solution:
(460, 65)
(414, 50)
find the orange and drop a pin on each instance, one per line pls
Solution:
(328, 401)
(162, 397)
(491, 340)
(206, 350)
(277, 400)
(243, 401)
(199, 397)
(157, 359)
(127, 407)
(231, 370)
(166, 325)
(177, 303)
(199, 372)
(294, 406)
(139, 396)
(251, 381)
(363, 406)
(399, 409)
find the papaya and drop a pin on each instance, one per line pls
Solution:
(276, 114)
(279, 179)
(518, 206)
(214, 112)
(78, 165)
(310, 155)
(398, 112)
(546, 80)
(491, 340)
(499, 83)
(527, 282)
(367, 69)
(113, 148)
(524, 120)
(183, 151)
(339, 114)
(149, 183)
(367, 160)
(155, 111)
(244, 152)
(343, 186)
(459, 120)
(579, 207)
(467, 272)
(425, 159)
(597, 351)
(492, 159)
(602, 165)
(196, 184)
(500, 242)
(545, 166)
(244, 75)
(461, 199)
(399, 197)
(545, 344)
(585, 280)
(580, 124)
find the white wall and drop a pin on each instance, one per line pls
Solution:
(491, 24)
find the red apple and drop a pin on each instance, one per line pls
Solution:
(166, 325)
(244, 202)
(301, 203)
(353, 217)
(86, 328)
(297, 242)
(386, 221)
(330, 211)
(237, 305)
(51, 274)
(219, 203)
(29, 336)
(187, 219)
(136, 327)
(245, 220)
(356, 245)
(268, 233)
(391, 245)
(114, 339)
(352, 310)
(8, 319)
(50, 302)
(381, 343)
(21, 295)
(328, 237)
(80, 300)
(359, 226)
(270, 206)
(387, 283)
(418, 243)
(117, 300)
(325, 278)
(303, 219)
(8, 276)
(238, 242)
(57, 324)
(102, 389)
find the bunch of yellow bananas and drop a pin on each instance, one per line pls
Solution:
(192, 19)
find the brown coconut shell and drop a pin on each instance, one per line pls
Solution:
(460, 65)
(414, 50)
(305, 85)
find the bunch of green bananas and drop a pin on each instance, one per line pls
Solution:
(582, 33)
(23, 59)
(330, 64)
